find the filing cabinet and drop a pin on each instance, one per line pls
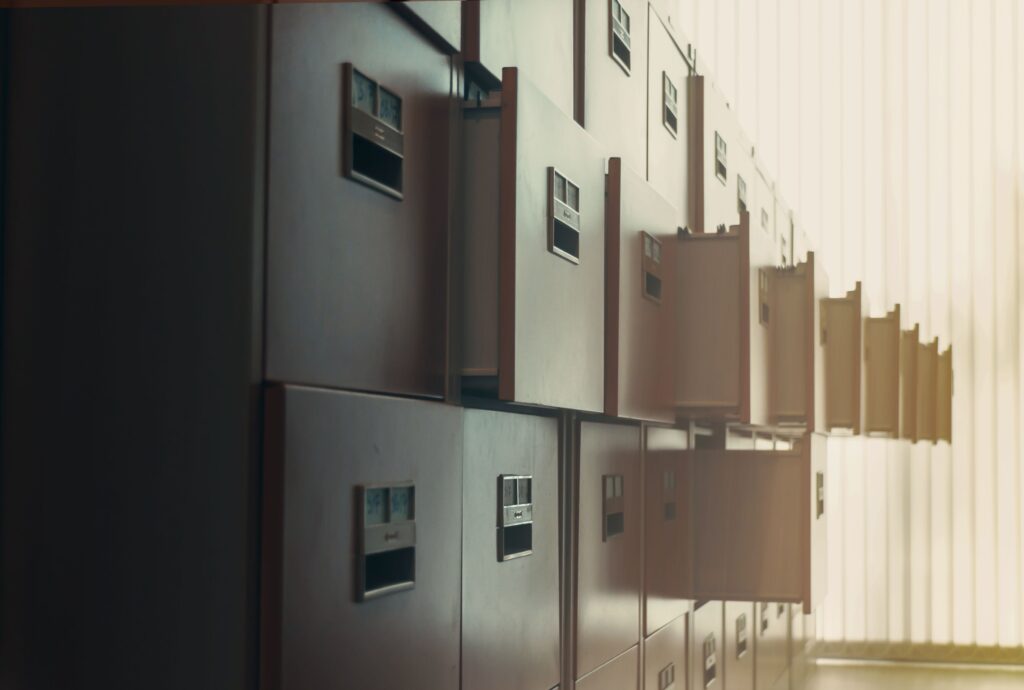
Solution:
(722, 172)
(614, 84)
(608, 543)
(537, 36)
(738, 645)
(840, 335)
(723, 325)
(797, 648)
(944, 396)
(621, 673)
(361, 541)
(510, 552)
(760, 523)
(761, 190)
(927, 369)
(797, 362)
(771, 656)
(707, 669)
(665, 656)
(666, 526)
(439, 20)
(882, 374)
(533, 184)
(360, 117)
(908, 383)
(670, 63)
(789, 254)
(639, 298)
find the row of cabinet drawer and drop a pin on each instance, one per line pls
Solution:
(556, 545)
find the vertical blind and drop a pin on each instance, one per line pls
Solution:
(894, 129)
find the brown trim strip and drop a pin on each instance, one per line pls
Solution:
(612, 252)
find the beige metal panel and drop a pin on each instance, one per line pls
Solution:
(841, 324)
(740, 439)
(439, 20)
(615, 79)
(797, 362)
(721, 340)
(786, 233)
(510, 608)
(535, 36)
(707, 669)
(927, 369)
(667, 150)
(667, 526)
(640, 298)
(763, 208)
(356, 278)
(549, 345)
(665, 657)
(621, 673)
(944, 397)
(608, 558)
(759, 529)
(771, 655)
(908, 383)
(714, 197)
(882, 374)
(797, 648)
(324, 450)
(738, 645)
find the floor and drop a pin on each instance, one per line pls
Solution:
(917, 677)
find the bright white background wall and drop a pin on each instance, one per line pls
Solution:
(895, 129)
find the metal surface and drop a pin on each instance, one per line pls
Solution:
(621, 673)
(667, 151)
(639, 298)
(665, 657)
(510, 609)
(882, 374)
(771, 655)
(757, 532)
(908, 383)
(536, 36)
(927, 369)
(667, 526)
(133, 241)
(533, 320)
(614, 96)
(322, 446)
(944, 396)
(706, 664)
(608, 570)
(357, 279)
(843, 350)
(721, 341)
(738, 645)
(438, 20)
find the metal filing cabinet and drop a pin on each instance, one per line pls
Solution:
(723, 325)
(667, 107)
(797, 648)
(762, 209)
(738, 645)
(360, 114)
(927, 368)
(510, 557)
(361, 545)
(707, 669)
(908, 383)
(608, 544)
(615, 77)
(797, 366)
(722, 173)
(841, 329)
(639, 246)
(439, 20)
(944, 396)
(533, 184)
(621, 673)
(665, 656)
(882, 374)
(786, 234)
(771, 655)
(760, 523)
(537, 36)
(666, 526)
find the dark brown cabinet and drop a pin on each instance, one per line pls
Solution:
(908, 383)
(927, 370)
(361, 541)
(361, 110)
(639, 298)
(510, 552)
(533, 252)
(882, 374)
(944, 396)
(841, 338)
